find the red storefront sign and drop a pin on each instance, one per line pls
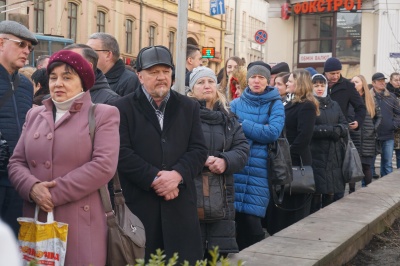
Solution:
(319, 6)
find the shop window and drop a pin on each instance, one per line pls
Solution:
(337, 33)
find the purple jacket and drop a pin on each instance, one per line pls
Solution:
(63, 152)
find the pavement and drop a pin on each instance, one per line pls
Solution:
(333, 235)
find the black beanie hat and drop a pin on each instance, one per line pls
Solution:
(332, 64)
(280, 67)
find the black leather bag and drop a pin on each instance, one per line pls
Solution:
(303, 180)
(279, 165)
(211, 196)
(126, 233)
(4, 155)
(352, 167)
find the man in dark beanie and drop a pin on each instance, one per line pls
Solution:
(278, 68)
(16, 95)
(344, 92)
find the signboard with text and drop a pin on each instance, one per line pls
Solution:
(320, 6)
(314, 58)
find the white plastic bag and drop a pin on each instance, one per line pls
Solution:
(44, 242)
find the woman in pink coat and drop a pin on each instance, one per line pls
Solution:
(55, 166)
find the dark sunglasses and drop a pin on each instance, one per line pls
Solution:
(21, 44)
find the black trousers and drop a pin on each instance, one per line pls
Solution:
(248, 230)
(10, 207)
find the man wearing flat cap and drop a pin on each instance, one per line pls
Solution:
(16, 96)
(390, 111)
(162, 150)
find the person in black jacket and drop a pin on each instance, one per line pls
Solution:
(120, 79)
(16, 94)
(390, 110)
(100, 92)
(394, 87)
(227, 154)
(365, 139)
(300, 115)
(326, 147)
(344, 93)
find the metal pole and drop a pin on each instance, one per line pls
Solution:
(181, 42)
(234, 30)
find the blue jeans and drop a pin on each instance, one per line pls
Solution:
(386, 156)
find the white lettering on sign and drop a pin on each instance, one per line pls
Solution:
(314, 58)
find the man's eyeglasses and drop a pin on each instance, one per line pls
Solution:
(21, 44)
(102, 50)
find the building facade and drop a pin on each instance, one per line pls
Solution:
(363, 34)
(134, 23)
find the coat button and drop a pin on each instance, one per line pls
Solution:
(49, 136)
(33, 163)
(36, 135)
(163, 140)
(78, 106)
(86, 208)
(47, 164)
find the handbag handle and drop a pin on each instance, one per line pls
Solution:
(105, 198)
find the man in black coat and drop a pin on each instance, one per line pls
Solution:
(162, 150)
(16, 93)
(120, 79)
(344, 93)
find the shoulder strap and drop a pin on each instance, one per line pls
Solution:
(105, 198)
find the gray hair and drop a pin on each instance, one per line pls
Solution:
(109, 43)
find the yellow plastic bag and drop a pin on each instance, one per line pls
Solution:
(44, 242)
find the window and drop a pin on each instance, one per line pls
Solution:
(72, 20)
(191, 4)
(337, 33)
(3, 15)
(38, 17)
(101, 21)
(152, 33)
(171, 42)
(244, 28)
(129, 35)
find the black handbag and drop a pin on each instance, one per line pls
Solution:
(4, 155)
(279, 165)
(352, 167)
(211, 196)
(126, 236)
(303, 180)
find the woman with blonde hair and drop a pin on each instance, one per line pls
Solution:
(300, 116)
(365, 138)
(227, 153)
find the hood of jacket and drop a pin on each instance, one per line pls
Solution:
(100, 81)
(116, 71)
(267, 96)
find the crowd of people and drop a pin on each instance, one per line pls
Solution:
(171, 150)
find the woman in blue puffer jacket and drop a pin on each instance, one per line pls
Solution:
(251, 184)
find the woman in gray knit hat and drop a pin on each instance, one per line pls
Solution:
(227, 153)
(260, 127)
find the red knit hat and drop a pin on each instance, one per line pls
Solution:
(78, 63)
